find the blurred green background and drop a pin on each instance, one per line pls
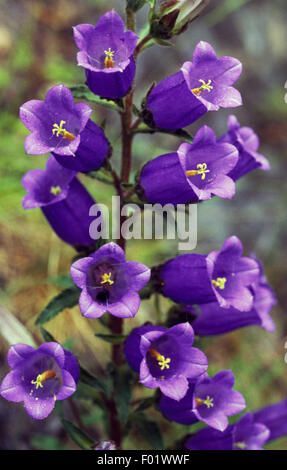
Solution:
(37, 51)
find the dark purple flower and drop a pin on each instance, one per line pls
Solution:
(63, 199)
(196, 172)
(105, 445)
(106, 55)
(207, 400)
(247, 143)
(215, 320)
(60, 126)
(202, 85)
(246, 434)
(165, 358)
(39, 377)
(223, 276)
(109, 283)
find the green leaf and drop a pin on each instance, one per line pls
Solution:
(101, 175)
(78, 436)
(47, 336)
(68, 298)
(149, 430)
(122, 379)
(92, 381)
(63, 280)
(113, 339)
(146, 403)
(136, 5)
(83, 92)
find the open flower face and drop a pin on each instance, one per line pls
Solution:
(40, 377)
(210, 79)
(202, 85)
(106, 55)
(206, 165)
(55, 124)
(109, 283)
(165, 358)
(207, 400)
(47, 186)
(231, 275)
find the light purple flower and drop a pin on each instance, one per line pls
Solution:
(165, 358)
(222, 276)
(196, 172)
(64, 201)
(247, 143)
(231, 275)
(202, 85)
(207, 400)
(106, 55)
(60, 126)
(109, 283)
(39, 377)
(215, 320)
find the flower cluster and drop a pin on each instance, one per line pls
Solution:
(215, 292)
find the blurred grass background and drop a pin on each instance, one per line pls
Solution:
(37, 51)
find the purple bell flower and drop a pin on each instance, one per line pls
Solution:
(165, 358)
(215, 320)
(223, 276)
(60, 126)
(109, 283)
(207, 400)
(246, 434)
(247, 143)
(39, 377)
(106, 55)
(64, 201)
(202, 85)
(196, 172)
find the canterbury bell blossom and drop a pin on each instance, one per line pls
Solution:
(109, 283)
(60, 126)
(246, 434)
(247, 143)
(223, 276)
(195, 173)
(202, 85)
(39, 377)
(165, 358)
(106, 55)
(64, 201)
(215, 320)
(207, 400)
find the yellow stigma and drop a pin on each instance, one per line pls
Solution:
(42, 378)
(220, 282)
(162, 361)
(204, 86)
(59, 130)
(201, 170)
(55, 190)
(208, 401)
(106, 278)
(109, 61)
(240, 445)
